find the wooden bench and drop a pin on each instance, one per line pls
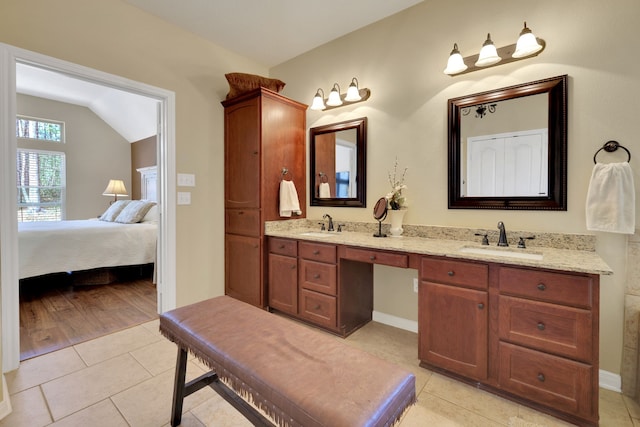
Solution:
(294, 375)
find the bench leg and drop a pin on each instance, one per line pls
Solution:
(179, 388)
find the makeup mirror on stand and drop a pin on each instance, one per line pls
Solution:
(380, 213)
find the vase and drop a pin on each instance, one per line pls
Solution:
(396, 217)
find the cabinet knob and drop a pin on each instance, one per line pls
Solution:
(316, 276)
(541, 326)
(316, 252)
(281, 246)
(541, 377)
(451, 273)
(317, 307)
(541, 287)
(480, 306)
(241, 213)
(372, 257)
(293, 267)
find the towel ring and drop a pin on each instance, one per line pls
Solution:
(323, 177)
(284, 172)
(610, 147)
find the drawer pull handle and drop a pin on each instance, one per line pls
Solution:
(541, 287)
(372, 257)
(480, 306)
(316, 276)
(316, 252)
(541, 377)
(541, 326)
(451, 273)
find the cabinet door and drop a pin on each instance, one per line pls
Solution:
(242, 155)
(452, 328)
(243, 269)
(283, 283)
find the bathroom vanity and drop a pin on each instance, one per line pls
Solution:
(519, 323)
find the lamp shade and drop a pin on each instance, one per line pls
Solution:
(353, 93)
(488, 54)
(455, 64)
(318, 101)
(115, 188)
(334, 96)
(527, 44)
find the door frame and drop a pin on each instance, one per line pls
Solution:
(9, 282)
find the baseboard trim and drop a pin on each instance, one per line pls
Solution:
(610, 381)
(5, 404)
(397, 322)
(607, 380)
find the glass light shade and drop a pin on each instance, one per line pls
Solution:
(318, 101)
(115, 188)
(527, 44)
(455, 64)
(334, 96)
(353, 93)
(488, 54)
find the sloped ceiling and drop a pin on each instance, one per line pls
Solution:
(132, 116)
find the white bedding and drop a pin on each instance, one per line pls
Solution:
(60, 246)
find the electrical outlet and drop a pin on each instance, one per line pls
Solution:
(415, 285)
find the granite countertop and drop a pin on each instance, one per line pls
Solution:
(583, 261)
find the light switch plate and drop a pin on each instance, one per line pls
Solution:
(186, 180)
(184, 197)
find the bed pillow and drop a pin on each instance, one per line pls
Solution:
(134, 211)
(114, 210)
(152, 215)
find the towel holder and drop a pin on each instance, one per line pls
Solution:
(323, 177)
(284, 172)
(610, 147)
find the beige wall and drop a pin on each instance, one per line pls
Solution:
(401, 60)
(94, 153)
(117, 38)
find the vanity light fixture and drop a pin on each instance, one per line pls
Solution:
(318, 101)
(527, 46)
(334, 96)
(336, 99)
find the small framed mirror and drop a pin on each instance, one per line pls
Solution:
(508, 148)
(337, 164)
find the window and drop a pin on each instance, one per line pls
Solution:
(45, 130)
(41, 185)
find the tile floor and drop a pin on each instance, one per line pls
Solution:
(126, 379)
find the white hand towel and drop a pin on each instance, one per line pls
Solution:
(289, 203)
(611, 199)
(324, 190)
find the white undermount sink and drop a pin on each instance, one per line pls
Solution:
(495, 252)
(317, 234)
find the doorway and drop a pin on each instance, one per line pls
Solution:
(10, 56)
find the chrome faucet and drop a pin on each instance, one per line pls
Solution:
(327, 216)
(502, 240)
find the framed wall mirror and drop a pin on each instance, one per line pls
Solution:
(337, 160)
(508, 147)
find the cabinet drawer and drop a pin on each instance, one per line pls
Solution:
(554, 381)
(283, 246)
(376, 257)
(546, 286)
(318, 308)
(317, 252)
(455, 272)
(318, 276)
(562, 330)
(242, 221)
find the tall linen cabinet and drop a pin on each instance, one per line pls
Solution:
(264, 135)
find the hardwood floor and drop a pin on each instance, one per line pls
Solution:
(60, 310)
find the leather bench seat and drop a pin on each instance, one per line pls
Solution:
(297, 376)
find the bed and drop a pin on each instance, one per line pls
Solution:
(77, 245)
